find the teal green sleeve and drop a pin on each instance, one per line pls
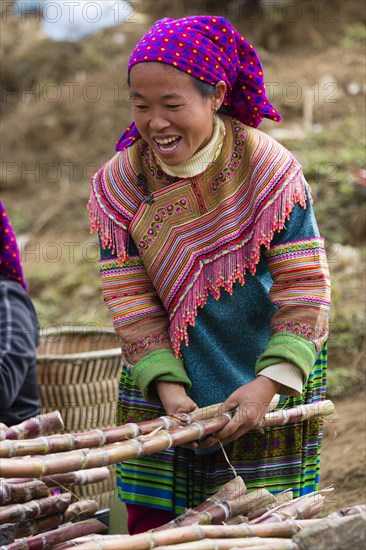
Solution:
(159, 365)
(290, 348)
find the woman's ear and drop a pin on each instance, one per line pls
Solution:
(219, 94)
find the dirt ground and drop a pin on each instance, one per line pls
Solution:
(343, 462)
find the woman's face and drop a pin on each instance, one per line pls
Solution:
(169, 112)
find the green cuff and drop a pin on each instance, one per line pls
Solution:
(161, 364)
(288, 347)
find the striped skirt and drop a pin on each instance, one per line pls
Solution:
(286, 457)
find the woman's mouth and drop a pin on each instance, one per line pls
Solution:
(168, 144)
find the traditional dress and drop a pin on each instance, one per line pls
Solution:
(211, 280)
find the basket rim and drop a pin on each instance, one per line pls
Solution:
(75, 330)
(105, 353)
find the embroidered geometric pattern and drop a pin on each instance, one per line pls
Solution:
(146, 342)
(301, 278)
(134, 306)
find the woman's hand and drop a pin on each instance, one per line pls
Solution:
(174, 398)
(251, 402)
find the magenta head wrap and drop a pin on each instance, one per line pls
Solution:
(210, 49)
(10, 263)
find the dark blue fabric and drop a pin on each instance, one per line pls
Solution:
(18, 343)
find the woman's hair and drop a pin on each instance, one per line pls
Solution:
(206, 90)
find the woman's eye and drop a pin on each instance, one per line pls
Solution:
(173, 106)
(141, 107)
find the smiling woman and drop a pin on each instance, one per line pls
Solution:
(212, 268)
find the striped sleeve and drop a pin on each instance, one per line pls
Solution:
(300, 290)
(141, 322)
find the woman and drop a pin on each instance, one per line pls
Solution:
(212, 268)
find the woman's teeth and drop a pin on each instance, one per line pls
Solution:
(168, 144)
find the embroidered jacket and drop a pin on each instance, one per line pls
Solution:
(243, 227)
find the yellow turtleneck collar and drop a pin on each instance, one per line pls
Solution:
(200, 160)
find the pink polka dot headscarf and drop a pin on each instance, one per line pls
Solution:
(10, 263)
(210, 49)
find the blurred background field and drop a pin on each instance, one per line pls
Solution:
(64, 103)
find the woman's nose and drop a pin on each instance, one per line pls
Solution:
(159, 122)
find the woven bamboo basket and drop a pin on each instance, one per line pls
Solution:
(78, 373)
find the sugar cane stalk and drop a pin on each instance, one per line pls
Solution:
(81, 509)
(32, 527)
(298, 414)
(254, 543)
(84, 477)
(22, 492)
(97, 438)
(82, 540)
(62, 534)
(250, 501)
(35, 508)
(39, 425)
(281, 498)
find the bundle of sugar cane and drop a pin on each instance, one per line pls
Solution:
(39, 425)
(78, 510)
(190, 536)
(81, 477)
(214, 509)
(63, 533)
(278, 535)
(98, 438)
(214, 513)
(206, 537)
(42, 515)
(109, 454)
(154, 442)
(196, 529)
